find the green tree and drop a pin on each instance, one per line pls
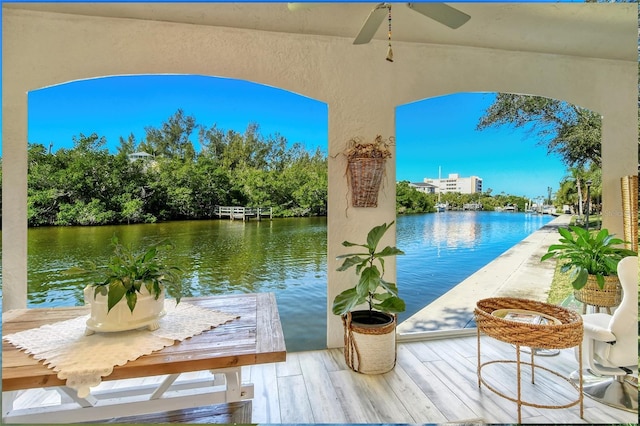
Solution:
(88, 185)
(43, 192)
(573, 188)
(127, 146)
(172, 138)
(569, 131)
(410, 200)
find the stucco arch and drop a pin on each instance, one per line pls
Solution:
(360, 88)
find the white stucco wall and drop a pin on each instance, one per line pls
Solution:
(359, 86)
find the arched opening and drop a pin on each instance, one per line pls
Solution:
(207, 141)
(441, 145)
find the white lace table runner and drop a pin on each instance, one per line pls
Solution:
(84, 360)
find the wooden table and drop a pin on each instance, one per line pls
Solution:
(255, 338)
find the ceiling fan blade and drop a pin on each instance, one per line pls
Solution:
(372, 24)
(445, 14)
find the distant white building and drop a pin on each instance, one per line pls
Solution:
(140, 156)
(427, 188)
(455, 183)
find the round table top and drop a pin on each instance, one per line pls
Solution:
(534, 324)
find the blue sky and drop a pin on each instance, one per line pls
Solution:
(433, 133)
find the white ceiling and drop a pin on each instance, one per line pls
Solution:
(607, 31)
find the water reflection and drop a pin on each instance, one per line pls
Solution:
(452, 246)
(453, 229)
(284, 256)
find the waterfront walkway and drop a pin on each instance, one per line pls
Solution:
(518, 272)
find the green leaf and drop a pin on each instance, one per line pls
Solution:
(116, 292)
(580, 279)
(391, 304)
(602, 235)
(369, 280)
(566, 233)
(150, 254)
(352, 261)
(132, 298)
(346, 301)
(390, 288)
(100, 289)
(348, 244)
(389, 251)
(600, 281)
(376, 234)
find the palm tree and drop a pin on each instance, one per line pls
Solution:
(574, 186)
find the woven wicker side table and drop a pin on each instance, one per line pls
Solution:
(565, 332)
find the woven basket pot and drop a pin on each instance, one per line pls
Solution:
(592, 294)
(365, 176)
(370, 348)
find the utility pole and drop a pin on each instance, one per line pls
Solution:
(589, 182)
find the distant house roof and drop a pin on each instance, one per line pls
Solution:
(139, 156)
(422, 185)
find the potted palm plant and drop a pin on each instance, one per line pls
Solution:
(592, 259)
(370, 334)
(129, 292)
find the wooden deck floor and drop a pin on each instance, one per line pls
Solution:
(434, 381)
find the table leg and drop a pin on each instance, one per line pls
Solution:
(581, 395)
(479, 370)
(532, 367)
(233, 378)
(7, 402)
(519, 392)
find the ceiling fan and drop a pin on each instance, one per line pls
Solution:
(440, 12)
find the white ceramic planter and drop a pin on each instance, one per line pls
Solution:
(147, 312)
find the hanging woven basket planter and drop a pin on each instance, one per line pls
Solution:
(365, 169)
(365, 177)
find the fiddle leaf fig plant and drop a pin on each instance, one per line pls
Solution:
(127, 271)
(372, 289)
(585, 253)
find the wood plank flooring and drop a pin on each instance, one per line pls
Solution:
(434, 381)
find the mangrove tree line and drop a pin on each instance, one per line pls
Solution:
(88, 185)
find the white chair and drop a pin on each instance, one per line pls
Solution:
(609, 347)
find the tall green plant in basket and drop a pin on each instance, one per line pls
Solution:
(585, 253)
(370, 334)
(371, 289)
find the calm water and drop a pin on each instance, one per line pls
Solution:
(284, 256)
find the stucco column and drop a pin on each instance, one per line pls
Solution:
(364, 117)
(14, 190)
(619, 156)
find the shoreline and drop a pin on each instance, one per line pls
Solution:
(518, 272)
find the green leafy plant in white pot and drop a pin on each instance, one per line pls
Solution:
(370, 334)
(129, 291)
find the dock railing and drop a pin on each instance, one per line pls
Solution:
(244, 213)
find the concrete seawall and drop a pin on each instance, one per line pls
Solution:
(518, 272)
